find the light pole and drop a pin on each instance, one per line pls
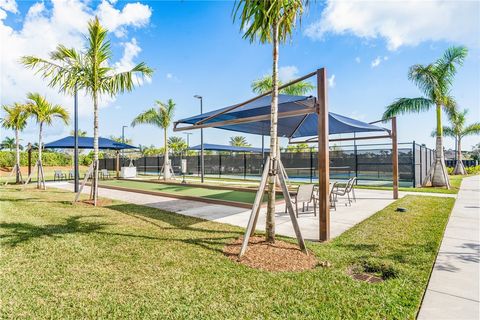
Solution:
(188, 140)
(202, 163)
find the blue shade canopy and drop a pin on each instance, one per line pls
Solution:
(219, 147)
(87, 143)
(296, 118)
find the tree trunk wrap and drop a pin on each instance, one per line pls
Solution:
(459, 167)
(270, 221)
(17, 156)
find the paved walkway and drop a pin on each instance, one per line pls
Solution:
(453, 291)
(368, 203)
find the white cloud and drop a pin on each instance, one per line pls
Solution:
(9, 5)
(42, 30)
(357, 59)
(169, 76)
(287, 73)
(331, 81)
(376, 62)
(132, 14)
(407, 22)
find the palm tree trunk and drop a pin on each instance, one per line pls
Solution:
(17, 157)
(459, 167)
(39, 154)
(95, 147)
(270, 222)
(166, 163)
(440, 176)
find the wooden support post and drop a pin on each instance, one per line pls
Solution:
(85, 179)
(288, 202)
(395, 158)
(323, 155)
(255, 208)
(117, 164)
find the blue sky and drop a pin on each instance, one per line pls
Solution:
(195, 48)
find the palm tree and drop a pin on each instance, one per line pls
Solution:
(89, 70)
(16, 119)
(80, 133)
(44, 113)
(269, 22)
(264, 84)
(435, 81)
(8, 143)
(458, 130)
(160, 116)
(177, 144)
(239, 141)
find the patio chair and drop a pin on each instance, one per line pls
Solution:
(345, 191)
(304, 195)
(104, 174)
(70, 175)
(316, 196)
(59, 175)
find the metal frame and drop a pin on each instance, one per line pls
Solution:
(321, 108)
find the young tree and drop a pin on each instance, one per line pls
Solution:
(80, 133)
(15, 119)
(88, 70)
(269, 21)
(160, 116)
(264, 84)
(177, 144)
(435, 81)
(458, 130)
(239, 141)
(44, 113)
(8, 143)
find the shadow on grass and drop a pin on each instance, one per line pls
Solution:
(173, 221)
(23, 232)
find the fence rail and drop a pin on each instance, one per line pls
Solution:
(371, 164)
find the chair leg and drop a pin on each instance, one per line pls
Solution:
(296, 208)
(315, 207)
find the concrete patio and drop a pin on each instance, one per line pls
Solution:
(368, 202)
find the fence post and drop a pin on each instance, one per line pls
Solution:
(421, 169)
(414, 166)
(356, 162)
(244, 166)
(219, 165)
(311, 165)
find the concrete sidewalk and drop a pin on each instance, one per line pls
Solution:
(368, 203)
(453, 291)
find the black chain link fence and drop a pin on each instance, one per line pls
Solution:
(371, 164)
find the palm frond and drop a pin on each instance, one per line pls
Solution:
(407, 105)
(446, 65)
(472, 129)
(150, 116)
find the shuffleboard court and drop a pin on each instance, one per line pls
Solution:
(185, 190)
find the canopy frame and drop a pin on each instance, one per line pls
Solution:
(321, 109)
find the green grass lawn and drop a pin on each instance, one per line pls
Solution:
(127, 261)
(185, 190)
(455, 182)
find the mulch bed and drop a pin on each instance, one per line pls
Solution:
(280, 256)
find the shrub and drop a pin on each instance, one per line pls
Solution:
(473, 170)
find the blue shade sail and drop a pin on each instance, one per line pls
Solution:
(296, 126)
(87, 143)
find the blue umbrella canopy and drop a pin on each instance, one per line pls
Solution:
(87, 143)
(219, 147)
(296, 118)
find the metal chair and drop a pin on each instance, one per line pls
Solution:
(104, 174)
(304, 195)
(59, 175)
(316, 197)
(345, 191)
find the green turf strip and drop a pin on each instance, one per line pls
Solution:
(227, 195)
